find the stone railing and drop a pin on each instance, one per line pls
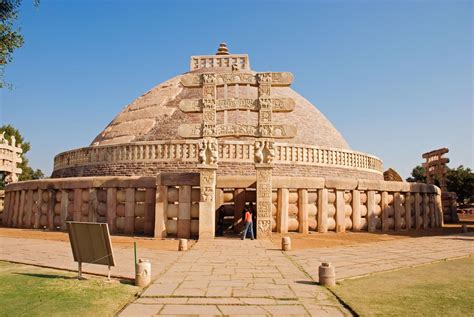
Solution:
(127, 204)
(303, 204)
(168, 205)
(2, 201)
(312, 155)
(229, 151)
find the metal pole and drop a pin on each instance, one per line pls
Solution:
(79, 270)
(135, 256)
(108, 274)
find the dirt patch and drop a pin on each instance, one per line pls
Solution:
(332, 239)
(117, 241)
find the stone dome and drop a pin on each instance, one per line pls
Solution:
(144, 138)
(155, 116)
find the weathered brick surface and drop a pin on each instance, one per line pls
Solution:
(156, 116)
(153, 169)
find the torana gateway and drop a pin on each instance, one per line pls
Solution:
(211, 141)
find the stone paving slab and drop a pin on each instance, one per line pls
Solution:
(58, 254)
(232, 278)
(363, 259)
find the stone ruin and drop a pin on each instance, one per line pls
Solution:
(221, 135)
(10, 157)
(436, 167)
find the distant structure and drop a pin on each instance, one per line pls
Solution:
(10, 157)
(392, 176)
(435, 172)
(436, 167)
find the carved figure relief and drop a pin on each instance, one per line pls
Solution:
(263, 228)
(214, 153)
(264, 78)
(263, 210)
(209, 91)
(206, 194)
(208, 151)
(266, 131)
(209, 104)
(269, 152)
(264, 175)
(264, 190)
(258, 155)
(264, 90)
(209, 78)
(202, 152)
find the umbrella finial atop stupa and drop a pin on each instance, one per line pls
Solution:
(222, 50)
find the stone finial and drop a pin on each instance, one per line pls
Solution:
(222, 50)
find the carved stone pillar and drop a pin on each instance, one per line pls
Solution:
(208, 155)
(207, 212)
(264, 200)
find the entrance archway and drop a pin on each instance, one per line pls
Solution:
(230, 204)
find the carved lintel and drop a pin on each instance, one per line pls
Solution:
(240, 78)
(277, 131)
(277, 104)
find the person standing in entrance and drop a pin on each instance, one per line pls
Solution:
(248, 224)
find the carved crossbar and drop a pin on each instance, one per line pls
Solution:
(196, 131)
(238, 78)
(438, 152)
(278, 104)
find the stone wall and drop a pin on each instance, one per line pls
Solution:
(235, 158)
(127, 204)
(303, 204)
(168, 205)
(2, 200)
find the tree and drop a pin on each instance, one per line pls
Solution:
(417, 175)
(461, 181)
(10, 36)
(27, 172)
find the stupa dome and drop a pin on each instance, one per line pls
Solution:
(144, 138)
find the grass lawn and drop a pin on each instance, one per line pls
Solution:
(439, 289)
(31, 291)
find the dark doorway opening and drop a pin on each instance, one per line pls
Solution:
(230, 213)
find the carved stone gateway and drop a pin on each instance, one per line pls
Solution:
(10, 157)
(264, 132)
(436, 167)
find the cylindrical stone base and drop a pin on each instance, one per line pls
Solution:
(143, 273)
(286, 244)
(327, 274)
(183, 245)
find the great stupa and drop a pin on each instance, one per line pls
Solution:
(184, 159)
(145, 139)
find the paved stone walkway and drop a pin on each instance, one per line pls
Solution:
(363, 259)
(233, 277)
(58, 254)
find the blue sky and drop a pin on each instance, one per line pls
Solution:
(394, 77)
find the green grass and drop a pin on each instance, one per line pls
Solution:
(438, 289)
(32, 291)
